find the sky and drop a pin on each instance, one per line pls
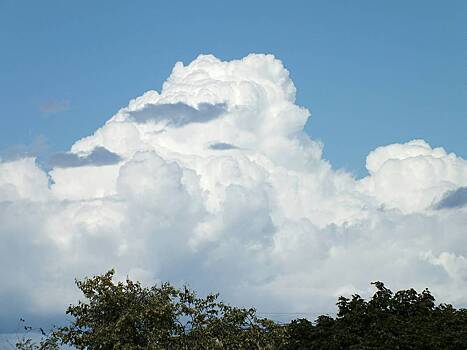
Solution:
(392, 71)
(296, 152)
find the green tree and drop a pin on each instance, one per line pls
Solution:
(404, 320)
(127, 316)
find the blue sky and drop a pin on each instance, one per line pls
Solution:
(371, 72)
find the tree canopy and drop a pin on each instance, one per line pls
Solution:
(128, 316)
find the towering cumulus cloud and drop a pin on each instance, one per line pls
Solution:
(213, 182)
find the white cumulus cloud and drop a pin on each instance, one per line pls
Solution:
(213, 182)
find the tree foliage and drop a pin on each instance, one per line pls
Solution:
(404, 320)
(128, 316)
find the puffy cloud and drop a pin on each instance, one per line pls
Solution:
(213, 182)
(412, 176)
(21, 179)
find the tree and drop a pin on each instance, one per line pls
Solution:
(404, 320)
(128, 316)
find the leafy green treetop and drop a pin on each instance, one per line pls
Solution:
(128, 316)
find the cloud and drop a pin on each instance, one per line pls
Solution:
(39, 147)
(54, 106)
(453, 199)
(221, 146)
(178, 114)
(270, 225)
(99, 156)
(411, 176)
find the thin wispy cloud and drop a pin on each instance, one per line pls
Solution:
(222, 146)
(99, 156)
(178, 114)
(38, 147)
(453, 199)
(54, 106)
